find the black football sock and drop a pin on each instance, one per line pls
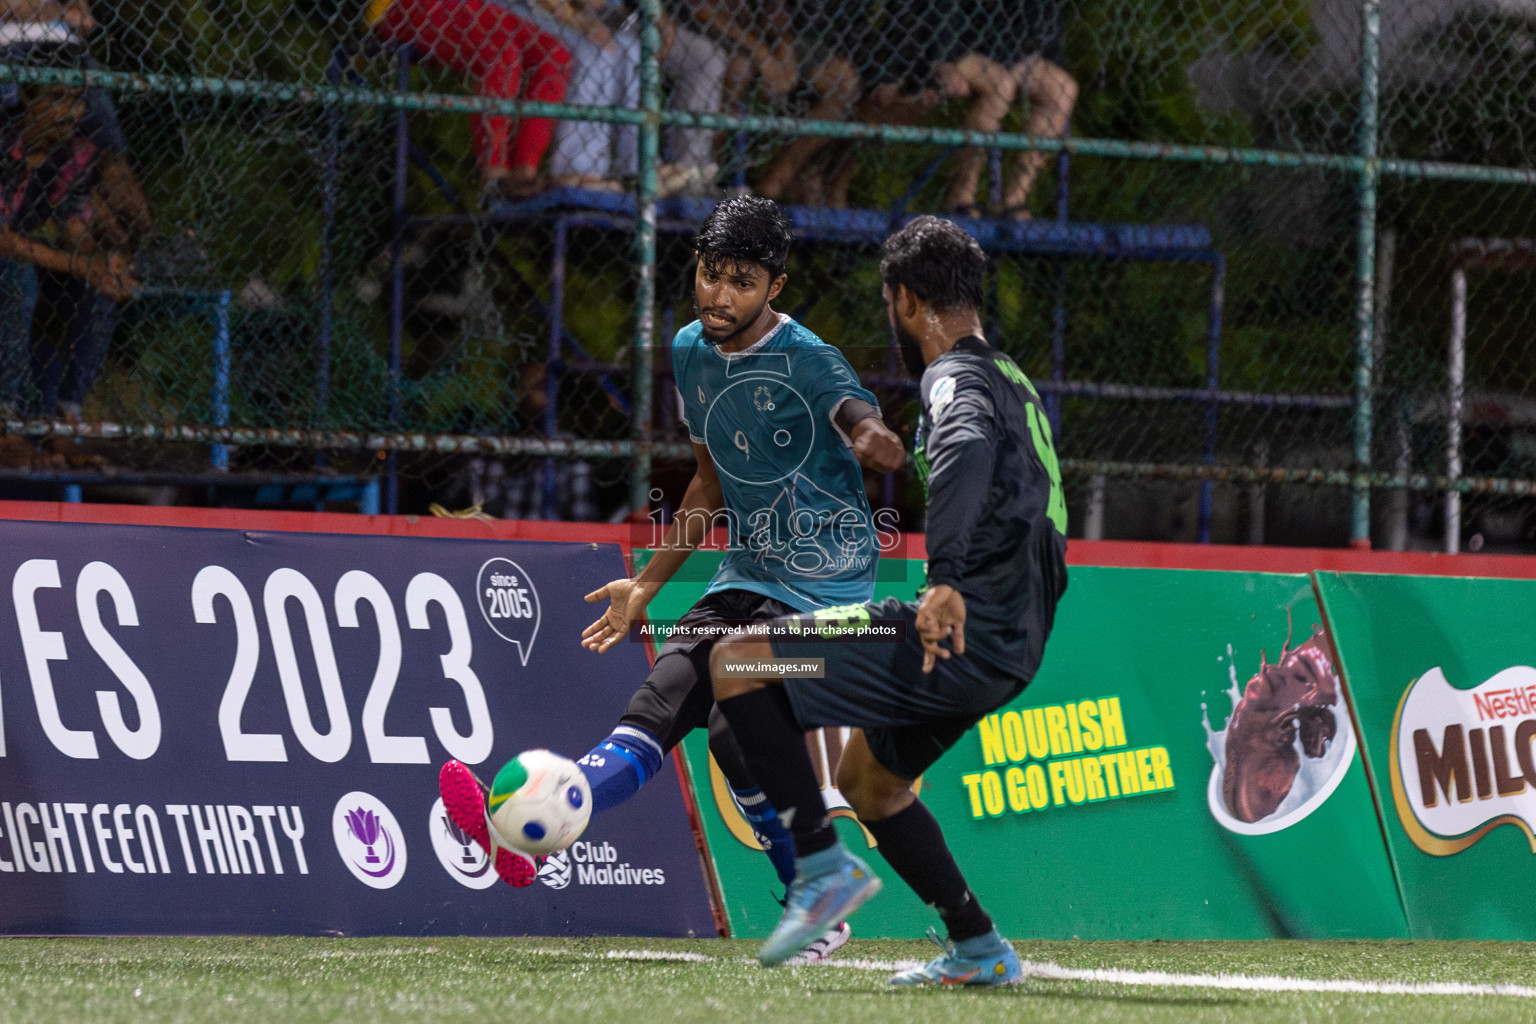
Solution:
(913, 845)
(774, 749)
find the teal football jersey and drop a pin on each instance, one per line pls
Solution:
(801, 526)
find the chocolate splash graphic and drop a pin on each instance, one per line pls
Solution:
(1298, 693)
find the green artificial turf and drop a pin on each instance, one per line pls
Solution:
(491, 981)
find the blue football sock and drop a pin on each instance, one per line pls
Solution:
(765, 821)
(814, 865)
(988, 945)
(617, 767)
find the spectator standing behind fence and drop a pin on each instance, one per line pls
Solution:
(94, 195)
(787, 44)
(55, 245)
(603, 40)
(46, 32)
(485, 41)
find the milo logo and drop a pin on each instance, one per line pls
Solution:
(1462, 762)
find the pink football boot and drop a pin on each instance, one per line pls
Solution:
(464, 799)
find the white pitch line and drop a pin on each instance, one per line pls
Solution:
(657, 954)
(1270, 983)
(861, 964)
(1048, 971)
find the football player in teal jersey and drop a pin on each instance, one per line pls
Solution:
(782, 430)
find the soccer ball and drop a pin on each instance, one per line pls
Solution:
(540, 802)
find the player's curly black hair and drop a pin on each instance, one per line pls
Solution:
(745, 229)
(937, 261)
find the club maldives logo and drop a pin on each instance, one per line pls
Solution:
(460, 856)
(595, 864)
(1461, 759)
(1286, 746)
(369, 840)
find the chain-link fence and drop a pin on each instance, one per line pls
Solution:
(1267, 263)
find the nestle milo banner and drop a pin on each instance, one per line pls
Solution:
(239, 731)
(1184, 766)
(1440, 671)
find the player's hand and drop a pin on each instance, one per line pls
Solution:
(626, 603)
(940, 616)
(876, 447)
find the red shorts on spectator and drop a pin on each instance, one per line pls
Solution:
(486, 42)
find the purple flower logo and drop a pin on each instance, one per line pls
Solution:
(364, 824)
(369, 840)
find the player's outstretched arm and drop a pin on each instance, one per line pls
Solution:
(876, 446)
(940, 617)
(627, 598)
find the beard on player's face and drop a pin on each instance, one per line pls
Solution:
(911, 351)
(735, 322)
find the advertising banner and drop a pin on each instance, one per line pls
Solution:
(1184, 766)
(1440, 672)
(239, 732)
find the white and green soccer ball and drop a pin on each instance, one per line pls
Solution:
(540, 802)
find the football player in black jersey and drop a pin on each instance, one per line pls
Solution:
(973, 640)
